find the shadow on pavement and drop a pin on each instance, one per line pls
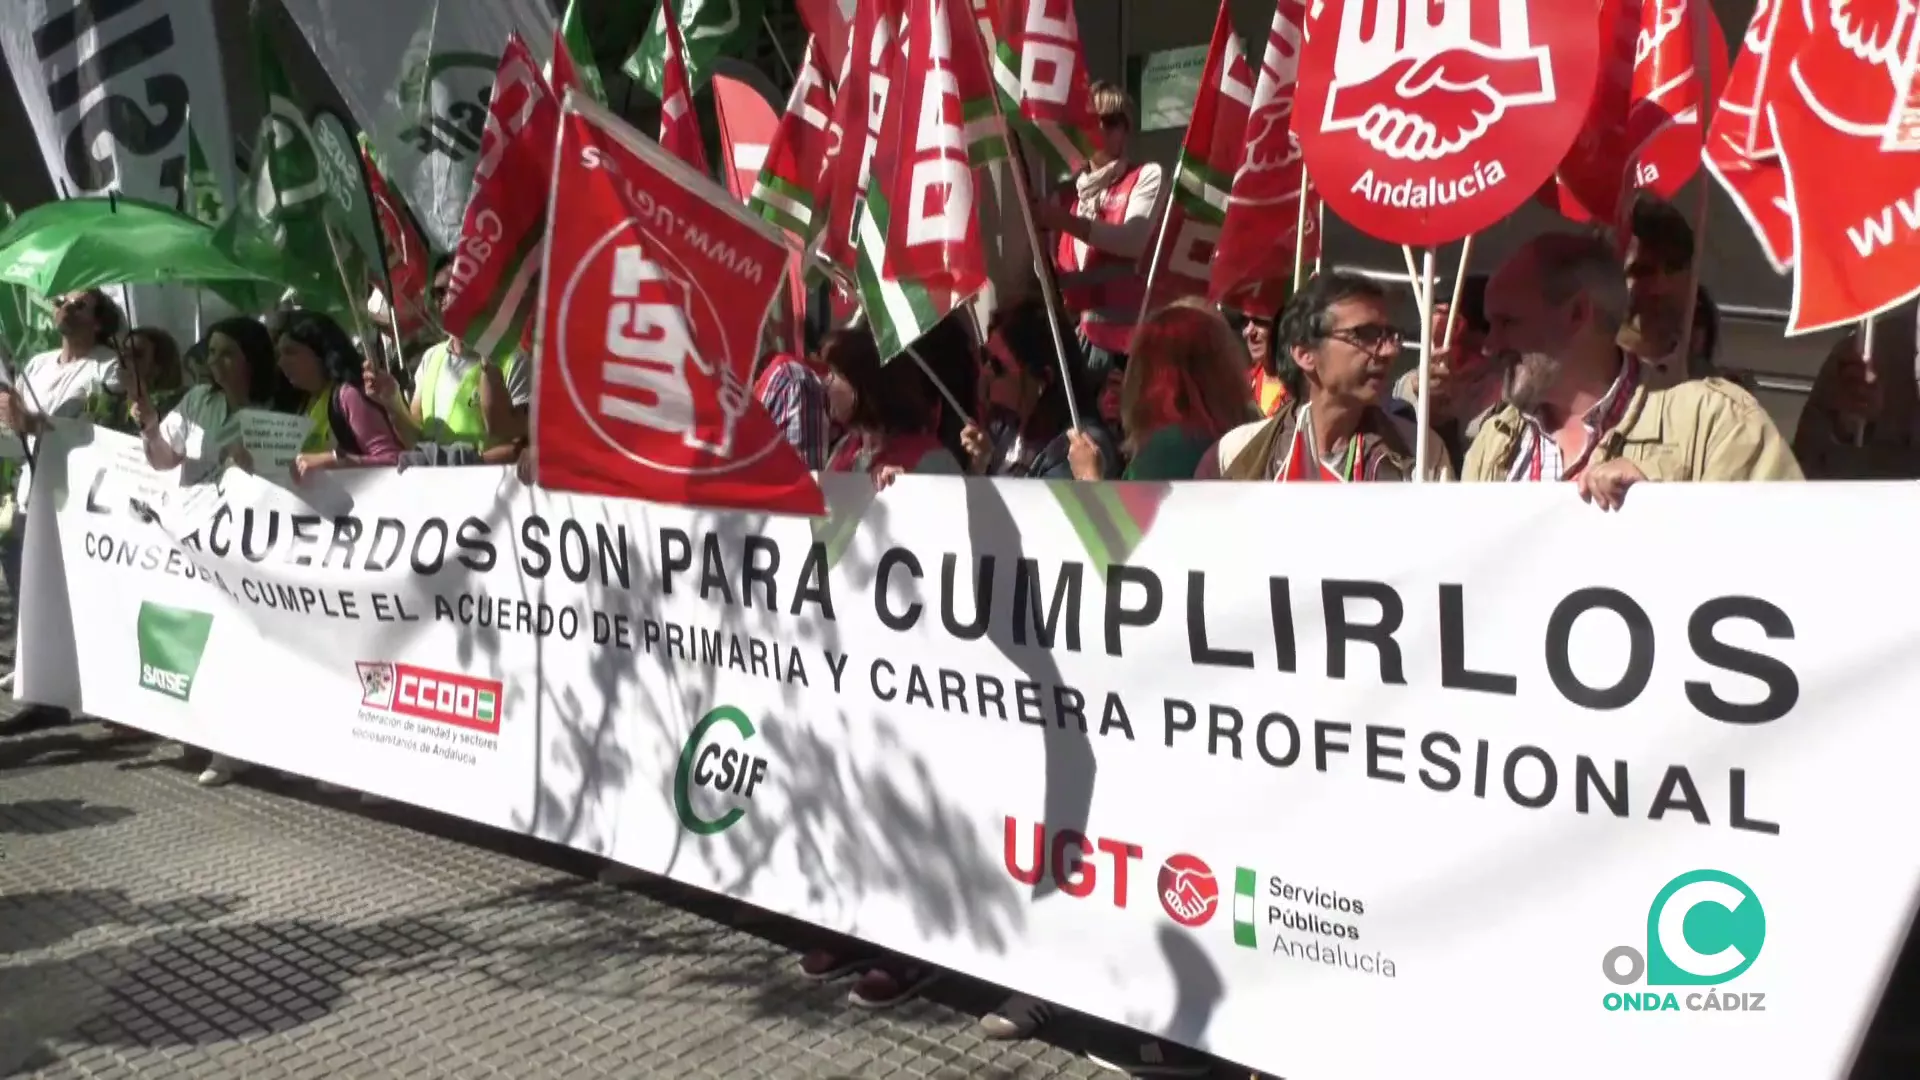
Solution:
(46, 817)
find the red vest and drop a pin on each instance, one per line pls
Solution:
(1107, 287)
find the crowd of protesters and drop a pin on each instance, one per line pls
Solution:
(1573, 361)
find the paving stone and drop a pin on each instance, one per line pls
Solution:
(152, 928)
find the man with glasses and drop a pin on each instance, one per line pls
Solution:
(1103, 232)
(463, 404)
(1579, 407)
(1337, 348)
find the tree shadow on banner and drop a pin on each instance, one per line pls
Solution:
(1070, 764)
(854, 823)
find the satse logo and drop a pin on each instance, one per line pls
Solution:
(717, 765)
(172, 641)
(1704, 928)
(441, 697)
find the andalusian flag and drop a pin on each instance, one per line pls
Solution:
(1215, 146)
(709, 28)
(787, 190)
(1047, 103)
(919, 253)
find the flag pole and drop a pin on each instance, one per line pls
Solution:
(1299, 236)
(1459, 287)
(1042, 263)
(793, 73)
(1423, 407)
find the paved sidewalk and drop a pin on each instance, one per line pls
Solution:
(150, 928)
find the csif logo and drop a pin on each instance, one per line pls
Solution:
(717, 765)
(172, 641)
(441, 697)
(1704, 928)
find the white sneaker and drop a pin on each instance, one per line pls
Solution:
(220, 771)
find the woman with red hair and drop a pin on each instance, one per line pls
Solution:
(1185, 387)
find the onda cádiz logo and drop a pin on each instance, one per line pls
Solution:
(1443, 115)
(1704, 928)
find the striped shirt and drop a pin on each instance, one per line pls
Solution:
(799, 406)
(1540, 459)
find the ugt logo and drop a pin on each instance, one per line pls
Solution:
(1420, 80)
(1704, 928)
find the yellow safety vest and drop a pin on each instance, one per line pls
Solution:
(463, 421)
(320, 436)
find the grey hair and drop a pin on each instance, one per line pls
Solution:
(1571, 264)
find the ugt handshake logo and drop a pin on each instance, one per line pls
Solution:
(1422, 80)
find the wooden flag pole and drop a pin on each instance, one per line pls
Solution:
(1300, 236)
(1042, 264)
(1459, 287)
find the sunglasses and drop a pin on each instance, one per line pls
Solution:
(1113, 120)
(1370, 337)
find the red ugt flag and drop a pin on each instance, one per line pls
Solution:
(1856, 239)
(1740, 151)
(1253, 266)
(679, 124)
(655, 287)
(926, 172)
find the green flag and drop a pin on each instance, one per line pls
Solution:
(280, 226)
(711, 28)
(26, 324)
(205, 201)
(350, 211)
(586, 66)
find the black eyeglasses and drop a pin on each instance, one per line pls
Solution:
(1370, 337)
(1113, 120)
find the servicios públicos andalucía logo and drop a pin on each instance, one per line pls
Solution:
(1704, 929)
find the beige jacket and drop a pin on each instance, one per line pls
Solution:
(1701, 430)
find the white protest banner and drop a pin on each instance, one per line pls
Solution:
(109, 88)
(1266, 790)
(417, 74)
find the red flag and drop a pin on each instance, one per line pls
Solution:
(679, 123)
(933, 229)
(562, 75)
(748, 129)
(1664, 125)
(1740, 152)
(858, 106)
(655, 287)
(409, 270)
(1423, 123)
(490, 296)
(789, 191)
(829, 21)
(1041, 71)
(1645, 111)
(1180, 262)
(1856, 208)
(1253, 267)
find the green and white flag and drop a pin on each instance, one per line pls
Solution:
(415, 75)
(710, 28)
(280, 226)
(573, 35)
(205, 201)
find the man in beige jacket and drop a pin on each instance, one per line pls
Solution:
(1576, 406)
